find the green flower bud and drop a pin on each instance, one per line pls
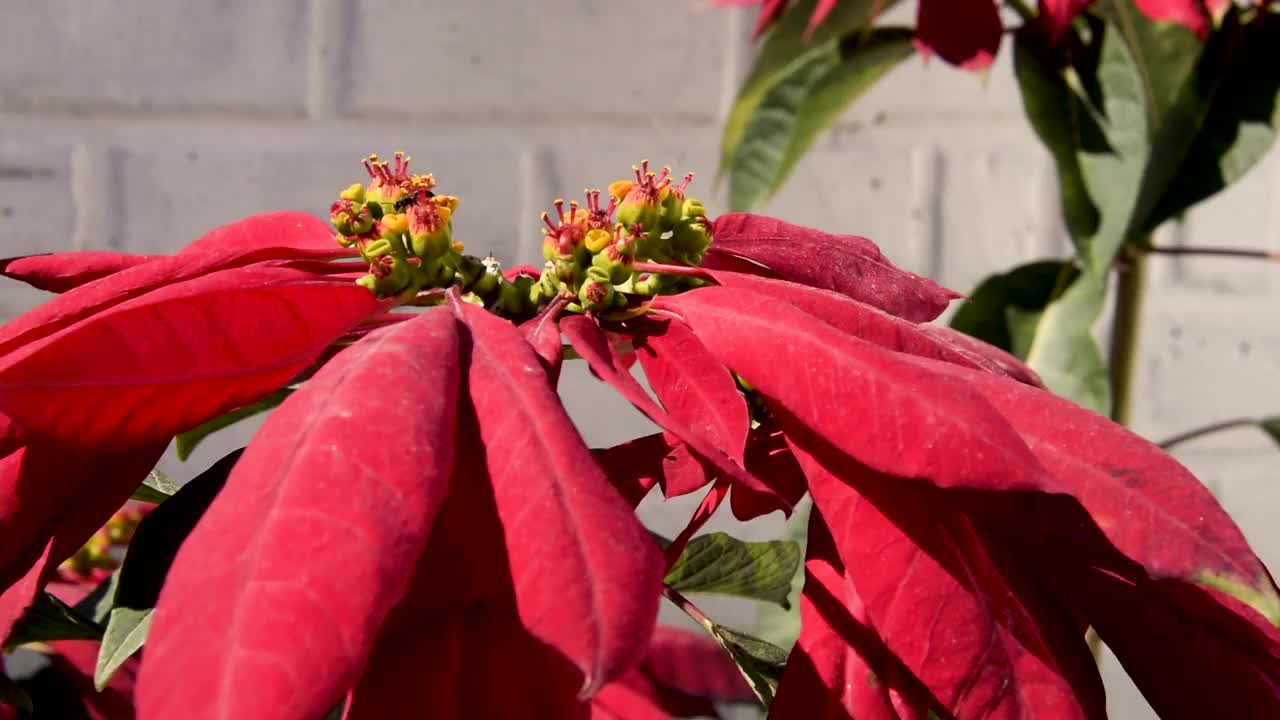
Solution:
(596, 295)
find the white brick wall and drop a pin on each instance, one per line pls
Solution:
(138, 126)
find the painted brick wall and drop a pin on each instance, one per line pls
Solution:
(139, 125)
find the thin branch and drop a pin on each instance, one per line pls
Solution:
(1209, 430)
(688, 607)
(1220, 252)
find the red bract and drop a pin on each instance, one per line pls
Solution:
(278, 236)
(60, 272)
(847, 264)
(164, 362)
(420, 530)
(965, 33)
(51, 500)
(328, 518)
(585, 572)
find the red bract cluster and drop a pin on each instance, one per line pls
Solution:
(419, 529)
(967, 33)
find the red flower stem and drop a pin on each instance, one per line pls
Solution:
(688, 607)
(710, 503)
(663, 268)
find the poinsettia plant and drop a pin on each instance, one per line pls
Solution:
(1147, 107)
(418, 529)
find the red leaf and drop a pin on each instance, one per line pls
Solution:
(879, 407)
(840, 667)
(770, 459)
(164, 362)
(980, 634)
(454, 646)
(75, 660)
(59, 272)
(693, 664)
(272, 236)
(876, 326)
(965, 33)
(586, 572)
(694, 388)
(543, 334)
(1060, 13)
(324, 515)
(282, 235)
(684, 673)
(847, 264)
(635, 466)
(983, 356)
(1191, 13)
(1150, 507)
(594, 347)
(52, 499)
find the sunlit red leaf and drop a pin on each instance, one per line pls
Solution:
(965, 33)
(1191, 13)
(543, 335)
(326, 513)
(1060, 13)
(982, 636)
(847, 264)
(162, 363)
(594, 347)
(876, 326)
(693, 387)
(876, 406)
(60, 272)
(586, 573)
(1150, 507)
(271, 236)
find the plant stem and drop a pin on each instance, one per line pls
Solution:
(1208, 430)
(1125, 330)
(665, 269)
(1220, 252)
(688, 607)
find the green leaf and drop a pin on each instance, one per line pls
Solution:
(1064, 352)
(156, 488)
(50, 619)
(97, 604)
(760, 153)
(187, 441)
(761, 663)
(11, 693)
(1113, 175)
(803, 103)
(784, 49)
(126, 631)
(1065, 124)
(718, 563)
(1223, 123)
(151, 552)
(1006, 308)
(1163, 54)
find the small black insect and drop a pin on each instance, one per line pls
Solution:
(409, 201)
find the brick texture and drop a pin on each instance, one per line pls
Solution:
(139, 126)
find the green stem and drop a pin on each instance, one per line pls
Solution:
(1209, 430)
(688, 607)
(1125, 332)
